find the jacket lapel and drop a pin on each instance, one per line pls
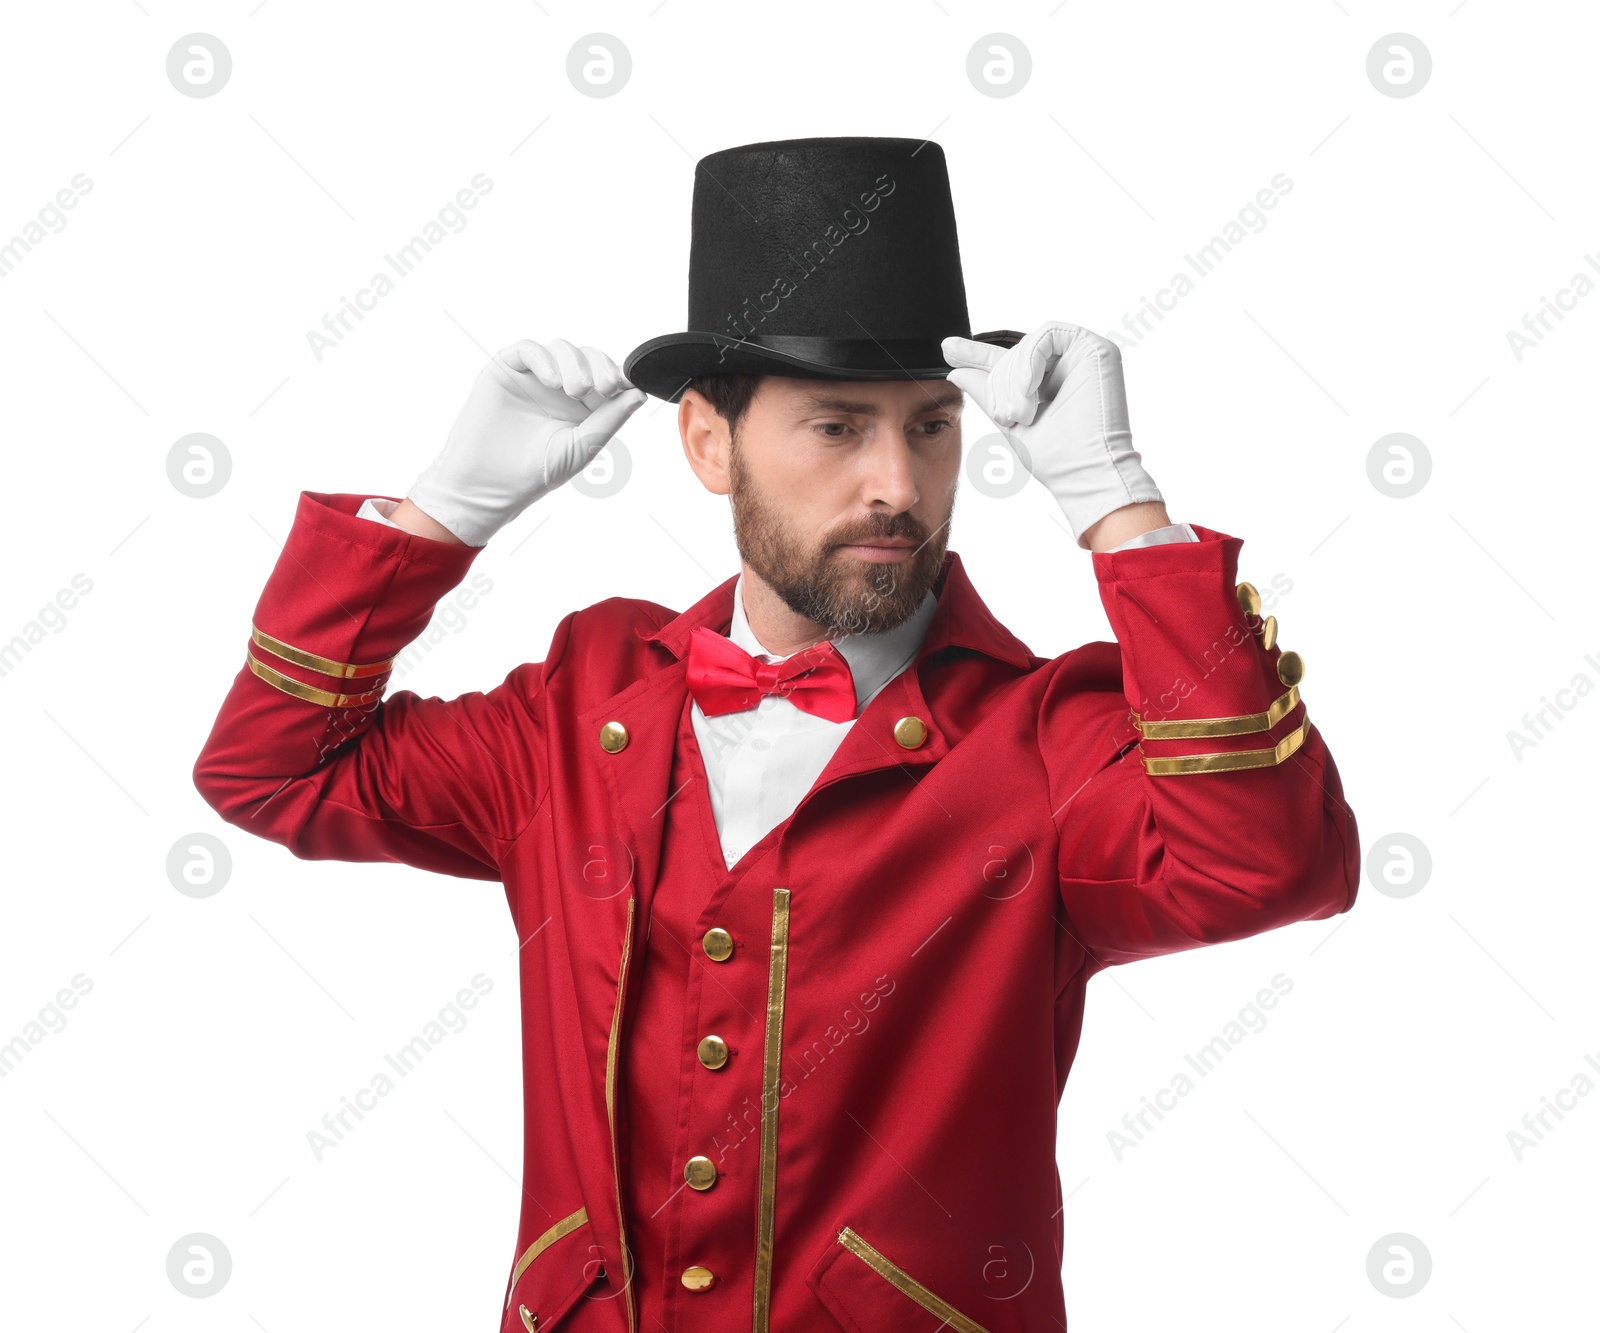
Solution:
(637, 776)
(960, 620)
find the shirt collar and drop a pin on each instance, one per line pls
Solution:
(874, 659)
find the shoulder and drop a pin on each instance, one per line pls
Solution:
(1083, 708)
(1074, 703)
(1088, 670)
(600, 649)
(620, 618)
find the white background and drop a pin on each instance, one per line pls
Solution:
(1377, 298)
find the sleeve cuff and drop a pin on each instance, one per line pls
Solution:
(1174, 532)
(378, 508)
(1208, 686)
(345, 597)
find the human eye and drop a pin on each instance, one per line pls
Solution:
(832, 430)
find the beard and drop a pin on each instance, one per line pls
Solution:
(844, 594)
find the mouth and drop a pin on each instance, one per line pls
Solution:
(887, 551)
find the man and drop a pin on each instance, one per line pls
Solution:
(812, 876)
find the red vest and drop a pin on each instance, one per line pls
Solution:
(674, 1107)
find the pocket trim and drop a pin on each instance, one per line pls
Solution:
(907, 1285)
(571, 1222)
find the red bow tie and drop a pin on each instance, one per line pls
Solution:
(725, 679)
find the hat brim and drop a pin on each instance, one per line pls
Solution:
(664, 366)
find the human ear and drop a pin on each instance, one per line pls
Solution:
(706, 440)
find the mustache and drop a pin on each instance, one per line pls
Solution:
(897, 525)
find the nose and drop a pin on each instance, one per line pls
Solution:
(888, 480)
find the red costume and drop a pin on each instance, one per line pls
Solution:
(833, 1097)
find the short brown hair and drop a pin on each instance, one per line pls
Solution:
(729, 394)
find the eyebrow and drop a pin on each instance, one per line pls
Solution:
(819, 403)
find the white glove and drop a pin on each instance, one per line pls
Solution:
(1058, 398)
(537, 415)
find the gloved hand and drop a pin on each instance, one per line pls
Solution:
(1058, 398)
(537, 415)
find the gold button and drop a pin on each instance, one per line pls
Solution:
(713, 1052)
(1249, 599)
(1269, 632)
(1291, 669)
(530, 1321)
(700, 1172)
(697, 1278)
(911, 732)
(718, 944)
(613, 737)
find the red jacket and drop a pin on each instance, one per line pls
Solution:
(994, 829)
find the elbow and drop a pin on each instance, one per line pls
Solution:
(1332, 876)
(228, 794)
(1314, 873)
(205, 782)
(214, 790)
(1319, 879)
(1318, 897)
(1295, 884)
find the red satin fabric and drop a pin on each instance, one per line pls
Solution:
(723, 678)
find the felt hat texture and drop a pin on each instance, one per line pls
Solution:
(825, 258)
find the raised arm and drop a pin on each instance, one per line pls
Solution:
(1209, 807)
(306, 750)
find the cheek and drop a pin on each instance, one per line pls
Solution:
(807, 486)
(813, 474)
(940, 469)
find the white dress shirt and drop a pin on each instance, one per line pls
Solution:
(760, 762)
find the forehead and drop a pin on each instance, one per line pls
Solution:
(868, 398)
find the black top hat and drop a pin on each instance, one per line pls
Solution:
(820, 258)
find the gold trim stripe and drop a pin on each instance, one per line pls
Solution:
(571, 1222)
(611, 1118)
(903, 1281)
(772, 1063)
(1199, 727)
(1228, 761)
(310, 693)
(326, 665)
